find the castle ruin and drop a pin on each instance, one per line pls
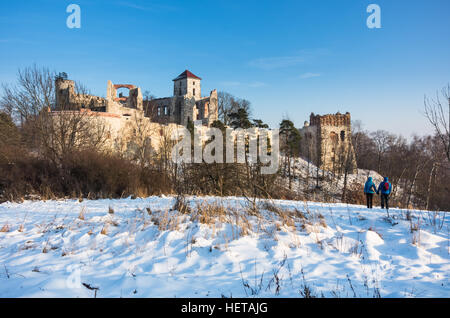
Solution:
(327, 142)
(129, 119)
(186, 104)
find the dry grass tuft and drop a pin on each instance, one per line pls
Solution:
(5, 228)
(208, 213)
(322, 221)
(166, 221)
(287, 217)
(112, 222)
(81, 216)
(104, 230)
(374, 230)
(181, 205)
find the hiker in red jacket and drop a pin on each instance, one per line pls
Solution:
(385, 188)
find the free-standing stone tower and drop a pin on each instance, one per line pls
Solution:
(327, 142)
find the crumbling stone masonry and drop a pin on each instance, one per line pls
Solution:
(186, 105)
(123, 114)
(327, 142)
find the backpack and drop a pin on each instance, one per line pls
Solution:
(386, 186)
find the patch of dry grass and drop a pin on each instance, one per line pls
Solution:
(5, 228)
(104, 230)
(209, 213)
(181, 205)
(82, 214)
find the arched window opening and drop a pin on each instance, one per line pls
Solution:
(333, 137)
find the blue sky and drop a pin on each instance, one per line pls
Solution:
(289, 58)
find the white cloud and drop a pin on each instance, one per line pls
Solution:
(21, 41)
(271, 63)
(231, 83)
(257, 84)
(235, 83)
(152, 7)
(309, 75)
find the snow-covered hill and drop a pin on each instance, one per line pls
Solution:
(220, 248)
(305, 175)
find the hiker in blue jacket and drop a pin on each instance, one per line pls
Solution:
(369, 190)
(385, 188)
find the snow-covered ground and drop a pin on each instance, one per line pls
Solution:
(305, 174)
(143, 248)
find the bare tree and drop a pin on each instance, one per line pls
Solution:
(438, 114)
(10, 139)
(347, 165)
(55, 134)
(382, 140)
(137, 139)
(229, 104)
(33, 92)
(147, 95)
(63, 132)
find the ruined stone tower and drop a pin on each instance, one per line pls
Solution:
(327, 142)
(67, 97)
(186, 105)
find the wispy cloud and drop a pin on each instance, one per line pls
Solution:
(271, 63)
(309, 75)
(145, 6)
(257, 84)
(231, 83)
(20, 41)
(235, 83)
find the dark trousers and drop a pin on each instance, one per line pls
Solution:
(385, 201)
(369, 200)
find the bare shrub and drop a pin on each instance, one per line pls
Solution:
(181, 205)
(354, 194)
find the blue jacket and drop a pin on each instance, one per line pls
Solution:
(370, 187)
(382, 189)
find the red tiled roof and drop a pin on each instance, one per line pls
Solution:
(186, 74)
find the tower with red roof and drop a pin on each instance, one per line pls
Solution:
(187, 84)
